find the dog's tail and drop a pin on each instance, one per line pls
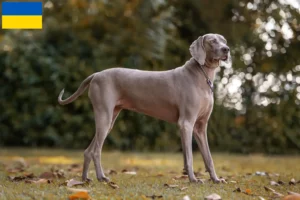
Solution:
(76, 94)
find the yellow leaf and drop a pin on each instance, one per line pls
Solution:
(248, 191)
(79, 195)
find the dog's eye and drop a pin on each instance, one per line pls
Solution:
(213, 41)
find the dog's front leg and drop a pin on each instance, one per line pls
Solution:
(200, 133)
(186, 130)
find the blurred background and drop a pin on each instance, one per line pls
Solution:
(257, 99)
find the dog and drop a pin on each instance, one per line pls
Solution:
(183, 95)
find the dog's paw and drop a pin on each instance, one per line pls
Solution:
(195, 180)
(221, 180)
(88, 180)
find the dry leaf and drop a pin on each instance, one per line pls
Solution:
(237, 190)
(47, 175)
(72, 182)
(232, 181)
(170, 186)
(79, 195)
(292, 181)
(292, 197)
(261, 198)
(293, 193)
(280, 182)
(258, 173)
(125, 171)
(113, 185)
(155, 196)
(277, 194)
(159, 175)
(213, 197)
(186, 197)
(248, 191)
(21, 178)
(269, 189)
(183, 188)
(274, 183)
(39, 181)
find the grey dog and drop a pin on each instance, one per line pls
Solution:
(182, 95)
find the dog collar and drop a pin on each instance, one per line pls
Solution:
(208, 81)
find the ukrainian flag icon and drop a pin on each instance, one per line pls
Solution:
(22, 15)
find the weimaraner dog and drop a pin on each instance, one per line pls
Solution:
(183, 95)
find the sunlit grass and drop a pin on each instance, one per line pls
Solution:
(153, 171)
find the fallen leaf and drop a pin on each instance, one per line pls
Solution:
(258, 173)
(125, 171)
(237, 190)
(261, 198)
(274, 183)
(79, 195)
(183, 188)
(213, 197)
(113, 185)
(248, 191)
(155, 196)
(186, 197)
(277, 194)
(292, 197)
(21, 178)
(269, 189)
(170, 186)
(280, 182)
(39, 181)
(47, 175)
(293, 193)
(292, 181)
(73, 182)
(232, 181)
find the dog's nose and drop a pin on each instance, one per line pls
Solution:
(225, 49)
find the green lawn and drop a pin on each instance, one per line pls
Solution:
(153, 170)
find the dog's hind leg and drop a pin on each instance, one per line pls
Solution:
(104, 111)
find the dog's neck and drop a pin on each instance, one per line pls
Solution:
(209, 67)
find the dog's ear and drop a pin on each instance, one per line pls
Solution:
(197, 50)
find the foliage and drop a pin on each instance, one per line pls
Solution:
(82, 37)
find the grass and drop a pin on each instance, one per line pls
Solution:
(153, 171)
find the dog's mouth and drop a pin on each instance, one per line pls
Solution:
(224, 58)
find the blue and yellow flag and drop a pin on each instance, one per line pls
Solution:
(22, 15)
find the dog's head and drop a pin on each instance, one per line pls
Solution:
(210, 48)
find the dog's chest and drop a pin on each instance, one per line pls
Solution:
(206, 103)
